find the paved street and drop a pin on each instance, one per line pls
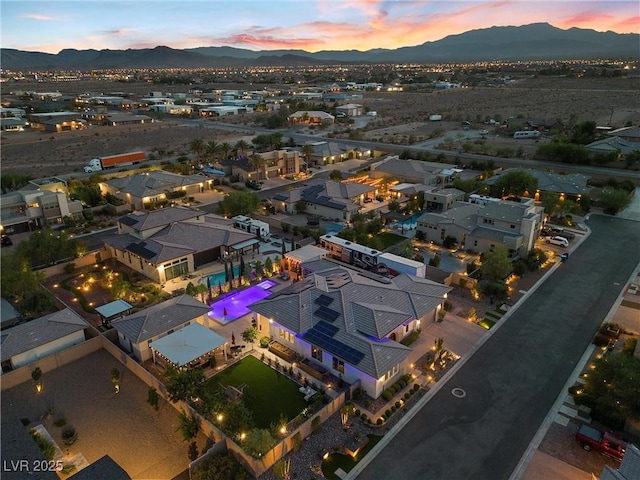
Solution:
(514, 378)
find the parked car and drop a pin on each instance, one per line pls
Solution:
(484, 132)
(604, 442)
(6, 240)
(560, 241)
(253, 185)
(562, 232)
(368, 200)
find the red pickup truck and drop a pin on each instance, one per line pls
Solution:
(607, 443)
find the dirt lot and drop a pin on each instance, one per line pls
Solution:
(400, 114)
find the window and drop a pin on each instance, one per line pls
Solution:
(338, 365)
(288, 336)
(391, 372)
(316, 353)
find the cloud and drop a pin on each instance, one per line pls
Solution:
(37, 16)
(629, 25)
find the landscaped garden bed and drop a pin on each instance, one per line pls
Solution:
(346, 462)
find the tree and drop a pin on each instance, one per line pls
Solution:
(225, 150)
(307, 152)
(496, 264)
(197, 148)
(211, 150)
(301, 206)
(239, 203)
(515, 182)
(613, 200)
(268, 266)
(345, 413)
(256, 161)
(282, 468)
(237, 419)
(184, 384)
(188, 425)
(611, 389)
(258, 442)
(36, 375)
(250, 334)
(115, 379)
(335, 175)
(241, 146)
(219, 467)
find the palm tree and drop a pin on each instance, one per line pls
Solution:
(225, 149)
(255, 162)
(241, 145)
(212, 148)
(197, 148)
(307, 151)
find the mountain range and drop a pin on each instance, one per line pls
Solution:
(538, 41)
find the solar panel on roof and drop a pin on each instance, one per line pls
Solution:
(326, 314)
(325, 328)
(323, 300)
(333, 346)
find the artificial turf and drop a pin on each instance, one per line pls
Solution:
(268, 394)
(346, 462)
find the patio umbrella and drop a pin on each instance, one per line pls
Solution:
(224, 313)
(233, 339)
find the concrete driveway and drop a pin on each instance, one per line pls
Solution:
(509, 384)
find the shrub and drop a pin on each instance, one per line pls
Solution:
(407, 395)
(316, 424)
(398, 404)
(60, 422)
(264, 342)
(296, 442)
(416, 387)
(379, 421)
(364, 417)
(69, 435)
(387, 395)
(153, 398)
(47, 447)
(367, 403)
(69, 267)
(357, 412)
(393, 409)
(358, 394)
(387, 413)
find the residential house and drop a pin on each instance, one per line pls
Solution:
(137, 331)
(273, 164)
(514, 225)
(350, 323)
(39, 204)
(29, 342)
(435, 198)
(153, 188)
(539, 124)
(311, 117)
(571, 185)
(413, 171)
(350, 109)
(171, 242)
(329, 153)
(613, 145)
(331, 199)
(628, 134)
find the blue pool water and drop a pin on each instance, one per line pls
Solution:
(333, 227)
(218, 278)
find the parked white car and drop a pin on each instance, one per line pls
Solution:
(561, 241)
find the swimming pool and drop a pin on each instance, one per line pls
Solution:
(218, 278)
(234, 305)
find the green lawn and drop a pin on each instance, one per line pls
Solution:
(268, 395)
(346, 462)
(486, 323)
(389, 238)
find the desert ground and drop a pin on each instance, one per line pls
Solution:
(400, 114)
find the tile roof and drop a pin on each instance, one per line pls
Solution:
(160, 318)
(411, 168)
(362, 309)
(153, 183)
(156, 218)
(43, 330)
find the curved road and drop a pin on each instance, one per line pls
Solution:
(514, 378)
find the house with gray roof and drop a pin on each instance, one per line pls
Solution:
(413, 171)
(138, 330)
(330, 153)
(153, 188)
(28, 342)
(613, 145)
(351, 323)
(337, 200)
(514, 225)
(171, 242)
(570, 185)
(629, 134)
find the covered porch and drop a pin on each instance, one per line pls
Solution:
(190, 347)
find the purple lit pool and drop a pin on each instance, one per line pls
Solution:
(234, 305)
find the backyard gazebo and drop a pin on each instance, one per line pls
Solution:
(188, 347)
(112, 310)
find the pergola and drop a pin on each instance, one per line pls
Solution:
(114, 309)
(188, 347)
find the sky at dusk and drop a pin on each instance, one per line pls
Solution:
(312, 25)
